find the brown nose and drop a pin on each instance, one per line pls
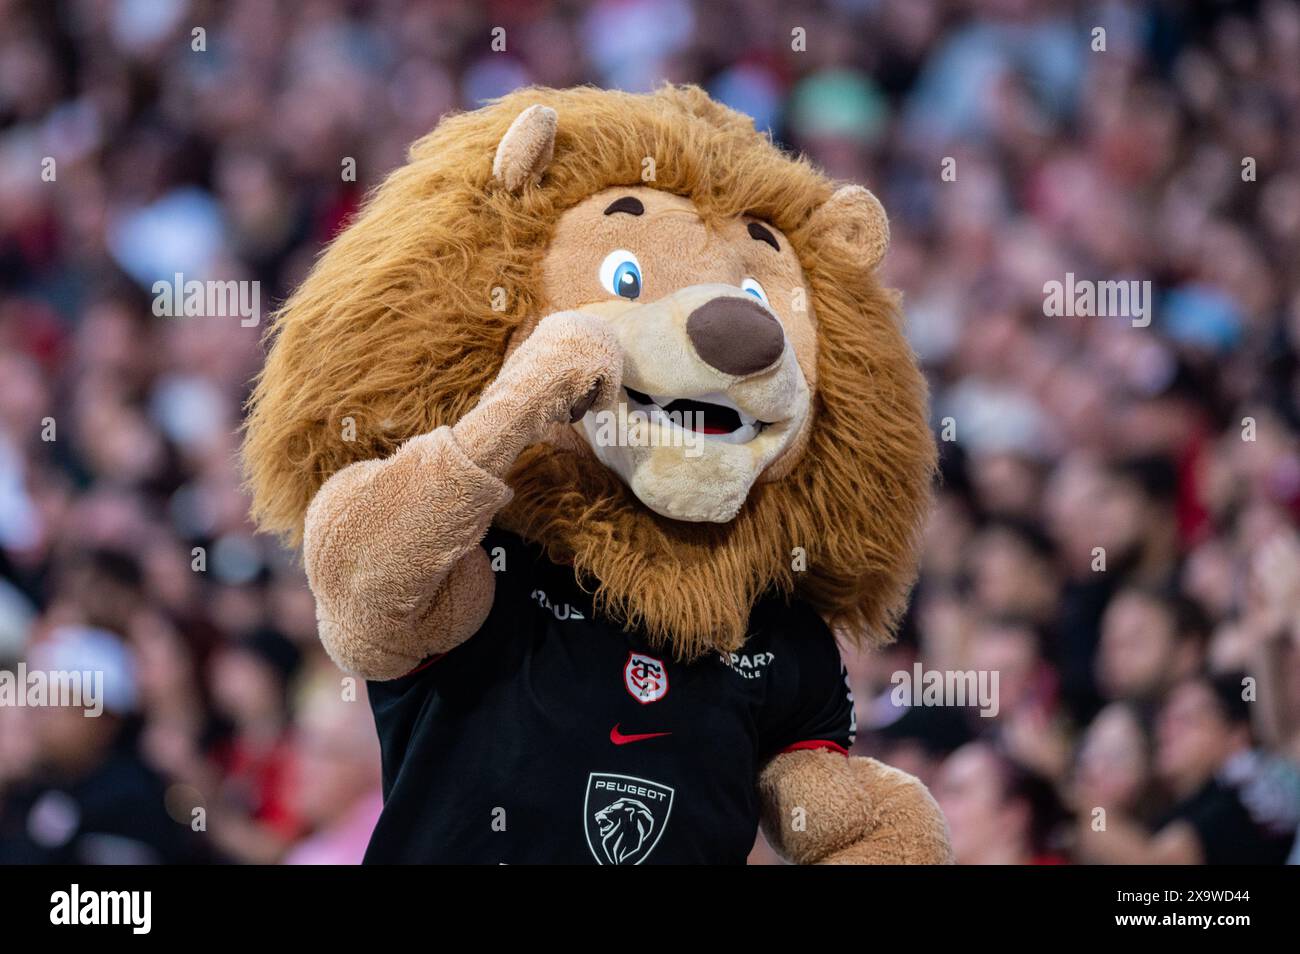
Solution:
(735, 335)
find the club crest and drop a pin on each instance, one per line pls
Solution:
(646, 678)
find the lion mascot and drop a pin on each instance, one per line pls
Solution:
(597, 433)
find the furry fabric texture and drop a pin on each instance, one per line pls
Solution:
(391, 545)
(407, 317)
(815, 812)
(392, 557)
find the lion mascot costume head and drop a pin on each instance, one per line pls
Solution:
(597, 431)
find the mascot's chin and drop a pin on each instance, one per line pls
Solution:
(590, 472)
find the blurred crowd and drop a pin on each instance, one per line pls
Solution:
(1115, 528)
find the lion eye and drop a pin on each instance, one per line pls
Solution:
(620, 273)
(755, 289)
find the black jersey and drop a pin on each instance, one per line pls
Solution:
(555, 736)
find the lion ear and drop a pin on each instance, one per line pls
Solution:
(526, 149)
(853, 221)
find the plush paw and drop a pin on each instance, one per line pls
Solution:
(851, 811)
(571, 362)
(907, 827)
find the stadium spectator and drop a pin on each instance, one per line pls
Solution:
(1221, 813)
(1150, 640)
(90, 798)
(1114, 766)
(998, 812)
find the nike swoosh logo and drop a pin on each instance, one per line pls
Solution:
(618, 738)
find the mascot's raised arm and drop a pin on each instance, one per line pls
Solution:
(596, 430)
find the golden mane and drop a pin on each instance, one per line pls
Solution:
(395, 329)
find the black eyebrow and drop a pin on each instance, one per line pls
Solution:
(757, 231)
(629, 204)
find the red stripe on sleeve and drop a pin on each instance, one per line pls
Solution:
(815, 744)
(425, 665)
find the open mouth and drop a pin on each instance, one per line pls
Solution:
(717, 418)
